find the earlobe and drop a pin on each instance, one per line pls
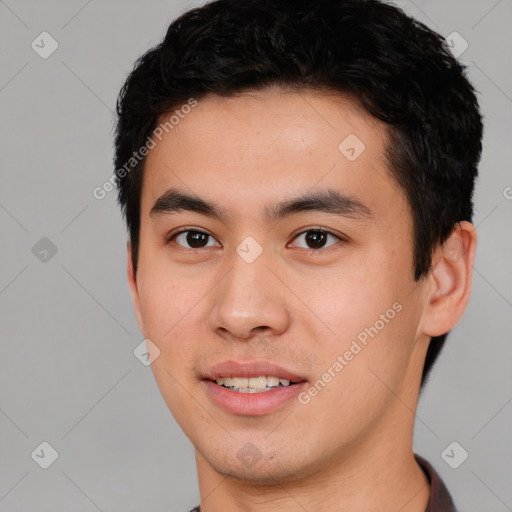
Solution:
(450, 279)
(132, 283)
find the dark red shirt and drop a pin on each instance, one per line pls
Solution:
(440, 499)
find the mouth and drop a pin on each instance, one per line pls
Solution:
(260, 384)
(251, 388)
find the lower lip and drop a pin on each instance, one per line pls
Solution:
(252, 404)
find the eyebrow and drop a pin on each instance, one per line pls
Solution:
(328, 201)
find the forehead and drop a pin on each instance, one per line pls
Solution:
(253, 149)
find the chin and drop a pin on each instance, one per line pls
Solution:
(264, 474)
(268, 469)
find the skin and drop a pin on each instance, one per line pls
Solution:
(350, 447)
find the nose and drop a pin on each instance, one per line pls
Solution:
(250, 301)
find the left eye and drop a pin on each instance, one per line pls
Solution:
(195, 239)
(317, 238)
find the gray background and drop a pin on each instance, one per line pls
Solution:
(68, 375)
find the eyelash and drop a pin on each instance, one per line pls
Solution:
(173, 236)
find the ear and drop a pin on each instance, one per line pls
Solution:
(450, 280)
(132, 282)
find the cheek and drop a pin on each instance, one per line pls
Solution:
(344, 301)
(168, 310)
(173, 312)
(367, 318)
(355, 373)
(165, 298)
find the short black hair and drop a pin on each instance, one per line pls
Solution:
(397, 68)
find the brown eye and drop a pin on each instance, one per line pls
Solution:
(193, 239)
(317, 238)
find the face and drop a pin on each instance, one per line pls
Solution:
(249, 280)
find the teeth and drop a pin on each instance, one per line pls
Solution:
(257, 383)
(272, 381)
(252, 384)
(240, 382)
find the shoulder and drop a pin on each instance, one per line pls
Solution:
(440, 499)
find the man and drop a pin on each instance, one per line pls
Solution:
(297, 182)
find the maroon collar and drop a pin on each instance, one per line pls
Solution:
(440, 499)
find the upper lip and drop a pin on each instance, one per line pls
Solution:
(254, 368)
